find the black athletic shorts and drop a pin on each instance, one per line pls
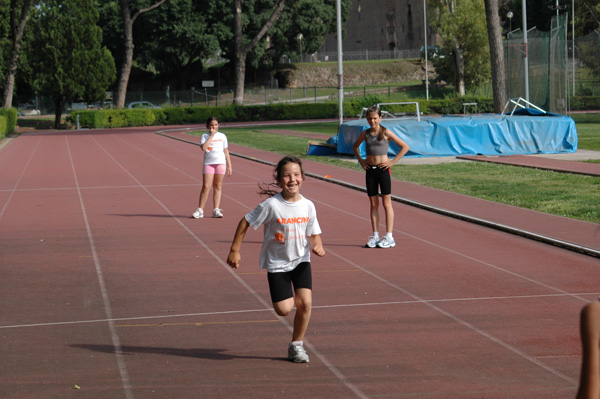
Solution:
(280, 284)
(378, 178)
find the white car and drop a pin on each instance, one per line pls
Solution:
(141, 104)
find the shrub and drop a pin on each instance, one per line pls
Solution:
(3, 129)
(10, 115)
(139, 117)
(585, 103)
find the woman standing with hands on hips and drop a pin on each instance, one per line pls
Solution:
(216, 163)
(378, 173)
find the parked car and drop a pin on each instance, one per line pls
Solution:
(432, 52)
(141, 104)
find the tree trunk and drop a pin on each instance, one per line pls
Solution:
(17, 34)
(242, 50)
(125, 70)
(496, 55)
(240, 55)
(459, 65)
(58, 108)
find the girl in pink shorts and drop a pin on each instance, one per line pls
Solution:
(217, 164)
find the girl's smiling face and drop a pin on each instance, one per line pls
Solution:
(291, 181)
(373, 119)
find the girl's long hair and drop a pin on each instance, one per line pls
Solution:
(269, 189)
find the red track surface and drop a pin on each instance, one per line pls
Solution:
(110, 290)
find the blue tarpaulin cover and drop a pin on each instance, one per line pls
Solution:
(527, 131)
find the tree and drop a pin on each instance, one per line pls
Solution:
(496, 54)
(65, 54)
(177, 41)
(128, 19)
(262, 31)
(462, 27)
(17, 28)
(242, 48)
(312, 19)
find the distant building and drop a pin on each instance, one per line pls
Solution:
(382, 25)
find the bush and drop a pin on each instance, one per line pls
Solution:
(455, 105)
(3, 129)
(95, 119)
(585, 103)
(10, 115)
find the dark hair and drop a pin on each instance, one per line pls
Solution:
(272, 188)
(377, 110)
(210, 119)
(374, 108)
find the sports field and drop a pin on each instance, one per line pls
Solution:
(111, 290)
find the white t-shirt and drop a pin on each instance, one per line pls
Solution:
(286, 228)
(215, 154)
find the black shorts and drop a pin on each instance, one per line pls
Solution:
(280, 284)
(378, 178)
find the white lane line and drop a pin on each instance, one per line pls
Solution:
(460, 321)
(334, 370)
(118, 349)
(343, 305)
(14, 189)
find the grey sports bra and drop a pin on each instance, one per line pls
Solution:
(374, 146)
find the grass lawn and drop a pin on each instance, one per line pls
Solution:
(564, 194)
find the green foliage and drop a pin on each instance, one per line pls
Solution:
(455, 105)
(66, 54)
(233, 113)
(95, 119)
(463, 29)
(10, 116)
(313, 19)
(355, 105)
(174, 39)
(3, 128)
(582, 103)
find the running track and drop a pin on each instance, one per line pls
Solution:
(110, 290)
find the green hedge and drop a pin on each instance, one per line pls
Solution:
(97, 119)
(3, 129)
(10, 115)
(585, 103)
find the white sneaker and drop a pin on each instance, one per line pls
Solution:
(372, 243)
(198, 214)
(386, 243)
(217, 213)
(296, 353)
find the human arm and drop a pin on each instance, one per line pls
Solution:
(403, 149)
(589, 383)
(212, 130)
(204, 146)
(234, 257)
(355, 148)
(228, 159)
(316, 244)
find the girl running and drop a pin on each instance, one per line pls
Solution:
(291, 229)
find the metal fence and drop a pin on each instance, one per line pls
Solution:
(365, 55)
(212, 97)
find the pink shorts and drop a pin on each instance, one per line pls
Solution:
(216, 169)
